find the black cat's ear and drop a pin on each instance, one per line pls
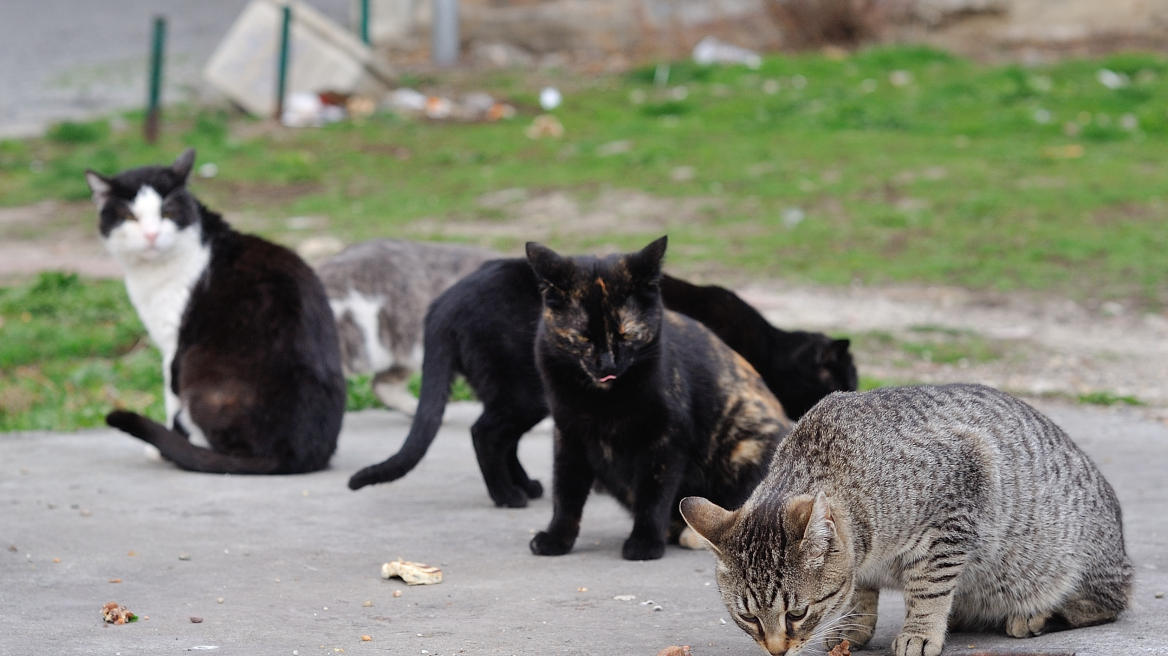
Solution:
(834, 352)
(645, 265)
(99, 185)
(550, 267)
(820, 530)
(708, 520)
(183, 164)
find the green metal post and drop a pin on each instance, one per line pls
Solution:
(282, 73)
(152, 107)
(365, 21)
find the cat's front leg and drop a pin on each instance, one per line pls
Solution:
(858, 624)
(929, 581)
(656, 496)
(572, 478)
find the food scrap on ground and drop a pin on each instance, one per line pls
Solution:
(366, 638)
(115, 614)
(675, 650)
(842, 649)
(411, 573)
(195, 619)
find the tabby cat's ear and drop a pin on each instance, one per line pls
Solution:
(183, 164)
(550, 267)
(99, 185)
(819, 528)
(645, 265)
(707, 519)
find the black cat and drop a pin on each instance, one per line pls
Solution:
(484, 328)
(800, 367)
(249, 345)
(649, 405)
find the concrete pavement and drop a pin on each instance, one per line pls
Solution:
(68, 59)
(295, 558)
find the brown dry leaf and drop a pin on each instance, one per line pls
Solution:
(675, 650)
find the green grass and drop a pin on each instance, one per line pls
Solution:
(951, 178)
(994, 177)
(1107, 398)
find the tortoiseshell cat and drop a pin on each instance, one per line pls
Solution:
(649, 405)
(972, 502)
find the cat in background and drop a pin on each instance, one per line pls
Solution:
(649, 405)
(972, 502)
(379, 292)
(483, 327)
(249, 348)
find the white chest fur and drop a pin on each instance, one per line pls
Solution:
(159, 279)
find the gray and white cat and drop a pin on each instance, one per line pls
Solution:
(972, 502)
(379, 292)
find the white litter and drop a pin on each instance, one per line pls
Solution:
(550, 98)
(712, 50)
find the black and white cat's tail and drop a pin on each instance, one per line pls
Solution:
(179, 450)
(438, 371)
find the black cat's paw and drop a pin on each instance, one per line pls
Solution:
(638, 548)
(509, 497)
(534, 489)
(546, 544)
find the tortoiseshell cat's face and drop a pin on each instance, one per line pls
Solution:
(602, 313)
(785, 574)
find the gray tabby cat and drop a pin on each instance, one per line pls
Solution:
(970, 501)
(379, 292)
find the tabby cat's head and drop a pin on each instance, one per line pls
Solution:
(785, 570)
(147, 212)
(604, 314)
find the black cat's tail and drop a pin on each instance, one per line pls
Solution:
(438, 370)
(179, 450)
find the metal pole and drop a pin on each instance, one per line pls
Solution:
(152, 110)
(365, 21)
(444, 33)
(282, 73)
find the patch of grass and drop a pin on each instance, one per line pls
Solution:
(908, 164)
(1107, 398)
(459, 391)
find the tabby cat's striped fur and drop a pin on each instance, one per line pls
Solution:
(973, 503)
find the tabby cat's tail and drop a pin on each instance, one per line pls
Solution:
(179, 450)
(438, 371)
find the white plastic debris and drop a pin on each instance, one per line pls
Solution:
(1111, 79)
(550, 98)
(304, 110)
(406, 100)
(712, 50)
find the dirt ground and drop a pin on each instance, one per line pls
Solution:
(1026, 343)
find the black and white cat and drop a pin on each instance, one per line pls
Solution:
(249, 347)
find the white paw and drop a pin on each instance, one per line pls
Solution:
(911, 644)
(397, 397)
(690, 539)
(152, 453)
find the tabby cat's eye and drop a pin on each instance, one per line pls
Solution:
(747, 617)
(797, 614)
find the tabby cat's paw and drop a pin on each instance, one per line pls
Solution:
(913, 644)
(534, 489)
(637, 548)
(1027, 626)
(546, 544)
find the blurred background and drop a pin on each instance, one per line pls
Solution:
(968, 189)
